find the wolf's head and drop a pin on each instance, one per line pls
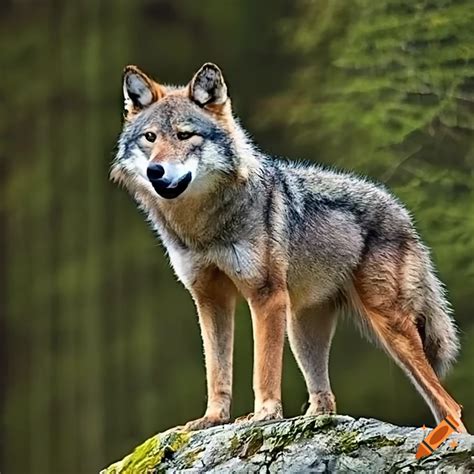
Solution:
(178, 139)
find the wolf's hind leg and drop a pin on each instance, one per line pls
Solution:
(396, 330)
(310, 333)
(401, 339)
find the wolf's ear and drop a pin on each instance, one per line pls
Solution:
(139, 91)
(207, 87)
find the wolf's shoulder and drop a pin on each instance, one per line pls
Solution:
(322, 177)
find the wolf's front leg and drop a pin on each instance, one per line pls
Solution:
(215, 295)
(269, 310)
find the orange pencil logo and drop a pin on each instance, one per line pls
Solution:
(439, 434)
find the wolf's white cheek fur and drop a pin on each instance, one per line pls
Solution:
(130, 170)
(137, 163)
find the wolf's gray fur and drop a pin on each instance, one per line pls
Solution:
(333, 236)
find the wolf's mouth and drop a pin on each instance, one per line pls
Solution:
(171, 189)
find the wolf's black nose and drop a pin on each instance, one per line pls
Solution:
(154, 171)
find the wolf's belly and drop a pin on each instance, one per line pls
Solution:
(309, 284)
(321, 265)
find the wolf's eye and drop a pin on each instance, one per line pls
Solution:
(184, 135)
(150, 136)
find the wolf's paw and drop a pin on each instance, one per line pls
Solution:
(321, 403)
(205, 422)
(270, 410)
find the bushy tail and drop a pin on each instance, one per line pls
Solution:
(436, 325)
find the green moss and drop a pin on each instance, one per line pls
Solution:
(349, 441)
(150, 454)
(346, 441)
(382, 442)
(249, 441)
(253, 443)
(234, 445)
(192, 456)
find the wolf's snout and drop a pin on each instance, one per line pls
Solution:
(155, 171)
(166, 186)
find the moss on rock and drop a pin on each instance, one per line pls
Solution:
(146, 457)
(346, 441)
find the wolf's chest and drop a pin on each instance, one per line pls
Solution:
(239, 261)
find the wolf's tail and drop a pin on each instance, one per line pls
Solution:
(435, 323)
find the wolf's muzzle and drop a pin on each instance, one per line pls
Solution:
(167, 188)
(155, 171)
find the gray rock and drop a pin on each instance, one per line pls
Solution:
(303, 444)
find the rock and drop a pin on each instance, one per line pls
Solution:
(303, 444)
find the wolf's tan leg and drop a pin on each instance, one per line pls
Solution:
(269, 311)
(383, 298)
(400, 337)
(310, 332)
(215, 296)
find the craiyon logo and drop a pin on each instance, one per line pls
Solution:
(438, 436)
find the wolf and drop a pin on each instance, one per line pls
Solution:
(301, 243)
